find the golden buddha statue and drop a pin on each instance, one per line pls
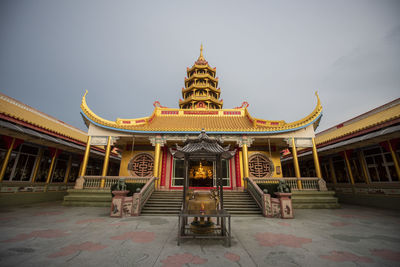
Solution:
(200, 173)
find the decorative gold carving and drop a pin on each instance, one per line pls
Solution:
(142, 165)
(260, 166)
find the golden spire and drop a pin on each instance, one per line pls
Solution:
(201, 53)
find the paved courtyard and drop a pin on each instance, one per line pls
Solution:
(49, 234)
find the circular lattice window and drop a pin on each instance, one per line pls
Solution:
(142, 165)
(260, 166)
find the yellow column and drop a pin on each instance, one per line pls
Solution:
(105, 164)
(68, 169)
(241, 167)
(6, 159)
(160, 168)
(245, 163)
(395, 161)
(156, 161)
(86, 157)
(348, 167)
(296, 165)
(53, 161)
(36, 170)
(332, 171)
(364, 167)
(316, 160)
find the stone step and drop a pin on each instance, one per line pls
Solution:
(156, 201)
(313, 193)
(244, 201)
(86, 204)
(315, 200)
(164, 206)
(87, 198)
(245, 212)
(316, 206)
(238, 200)
(155, 212)
(243, 208)
(173, 195)
(166, 199)
(158, 209)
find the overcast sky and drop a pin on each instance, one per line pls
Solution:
(273, 54)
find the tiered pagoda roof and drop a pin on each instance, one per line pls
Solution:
(201, 87)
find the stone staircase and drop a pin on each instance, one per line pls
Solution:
(241, 204)
(314, 200)
(165, 203)
(88, 198)
(168, 203)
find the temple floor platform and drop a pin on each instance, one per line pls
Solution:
(239, 203)
(50, 234)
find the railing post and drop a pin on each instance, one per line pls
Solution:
(136, 204)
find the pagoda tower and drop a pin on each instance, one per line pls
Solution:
(201, 87)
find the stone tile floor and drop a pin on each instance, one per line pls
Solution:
(50, 234)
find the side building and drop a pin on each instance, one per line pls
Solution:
(359, 158)
(41, 156)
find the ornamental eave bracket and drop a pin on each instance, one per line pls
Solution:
(158, 139)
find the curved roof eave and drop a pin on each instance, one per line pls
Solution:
(196, 132)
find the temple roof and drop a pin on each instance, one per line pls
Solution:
(374, 119)
(170, 120)
(203, 144)
(31, 117)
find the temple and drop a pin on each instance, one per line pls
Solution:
(144, 143)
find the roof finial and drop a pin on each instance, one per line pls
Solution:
(201, 60)
(201, 53)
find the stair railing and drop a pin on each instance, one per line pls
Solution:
(308, 183)
(258, 195)
(140, 199)
(94, 182)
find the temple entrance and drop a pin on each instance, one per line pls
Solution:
(178, 170)
(201, 173)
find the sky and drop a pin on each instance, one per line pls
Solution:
(272, 54)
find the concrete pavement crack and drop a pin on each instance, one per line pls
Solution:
(166, 240)
(245, 249)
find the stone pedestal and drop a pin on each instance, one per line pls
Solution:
(286, 205)
(117, 203)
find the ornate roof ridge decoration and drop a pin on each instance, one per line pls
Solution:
(174, 120)
(203, 146)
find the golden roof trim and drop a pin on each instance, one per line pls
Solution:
(382, 114)
(22, 112)
(219, 120)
